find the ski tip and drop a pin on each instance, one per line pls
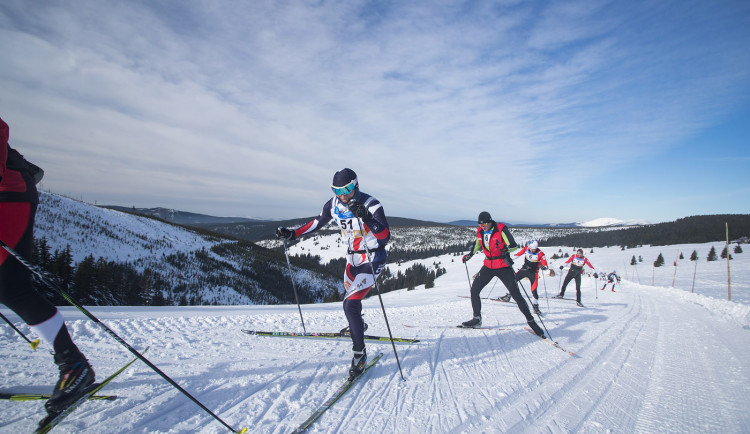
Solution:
(243, 430)
(34, 344)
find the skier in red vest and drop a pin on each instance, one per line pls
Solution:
(18, 204)
(496, 242)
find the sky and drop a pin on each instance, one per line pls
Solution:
(536, 111)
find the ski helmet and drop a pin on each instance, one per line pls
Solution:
(580, 251)
(484, 217)
(344, 182)
(533, 245)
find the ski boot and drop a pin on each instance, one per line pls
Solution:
(559, 296)
(76, 375)
(579, 304)
(536, 309)
(505, 298)
(358, 363)
(473, 323)
(534, 326)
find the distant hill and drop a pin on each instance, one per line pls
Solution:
(181, 217)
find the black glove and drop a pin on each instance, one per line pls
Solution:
(284, 233)
(561, 267)
(359, 210)
(466, 257)
(544, 267)
(596, 276)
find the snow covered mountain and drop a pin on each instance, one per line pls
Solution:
(610, 221)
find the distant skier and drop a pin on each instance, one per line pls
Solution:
(534, 257)
(612, 278)
(18, 203)
(348, 208)
(576, 262)
(496, 243)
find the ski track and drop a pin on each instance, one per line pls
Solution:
(638, 352)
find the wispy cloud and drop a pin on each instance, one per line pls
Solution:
(247, 108)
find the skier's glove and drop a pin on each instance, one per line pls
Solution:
(544, 267)
(596, 276)
(359, 210)
(561, 267)
(285, 234)
(466, 258)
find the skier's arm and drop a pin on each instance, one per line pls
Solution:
(318, 222)
(509, 240)
(522, 251)
(378, 224)
(586, 261)
(543, 260)
(570, 259)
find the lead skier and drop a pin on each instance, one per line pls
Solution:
(349, 207)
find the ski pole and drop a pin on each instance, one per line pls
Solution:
(539, 316)
(294, 287)
(377, 289)
(546, 296)
(34, 343)
(49, 282)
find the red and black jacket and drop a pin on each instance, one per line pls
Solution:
(16, 183)
(496, 245)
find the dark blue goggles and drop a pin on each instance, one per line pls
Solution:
(348, 188)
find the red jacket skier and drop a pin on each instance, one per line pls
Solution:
(18, 204)
(496, 243)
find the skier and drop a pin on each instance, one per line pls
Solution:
(533, 259)
(18, 203)
(576, 262)
(496, 243)
(612, 278)
(349, 207)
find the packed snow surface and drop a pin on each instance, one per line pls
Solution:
(649, 358)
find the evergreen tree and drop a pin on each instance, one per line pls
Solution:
(724, 254)
(633, 261)
(682, 256)
(737, 249)
(711, 255)
(694, 256)
(659, 261)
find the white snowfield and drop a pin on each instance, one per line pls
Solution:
(650, 359)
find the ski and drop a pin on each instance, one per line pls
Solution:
(454, 327)
(49, 422)
(10, 396)
(329, 335)
(336, 395)
(551, 342)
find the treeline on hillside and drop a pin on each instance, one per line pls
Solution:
(411, 277)
(695, 229)
(181, 278)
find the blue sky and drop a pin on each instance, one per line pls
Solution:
(536, 111)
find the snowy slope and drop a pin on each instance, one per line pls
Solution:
(651, 359)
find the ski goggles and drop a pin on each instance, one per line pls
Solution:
(348, 188)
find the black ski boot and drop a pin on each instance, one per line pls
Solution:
(76, 375)
(536, 309)
(358, 363)
(579, 304)
(559, 296)
(505, 298)
(535, 327)
(473, 323)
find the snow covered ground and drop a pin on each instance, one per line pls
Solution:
(650, 358)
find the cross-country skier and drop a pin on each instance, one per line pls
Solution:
(612, 278)
(18, 204)
(576, 262)
(350, 207)
(496, 243)
(534, 257)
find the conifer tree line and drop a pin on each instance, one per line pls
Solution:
(688, 230)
